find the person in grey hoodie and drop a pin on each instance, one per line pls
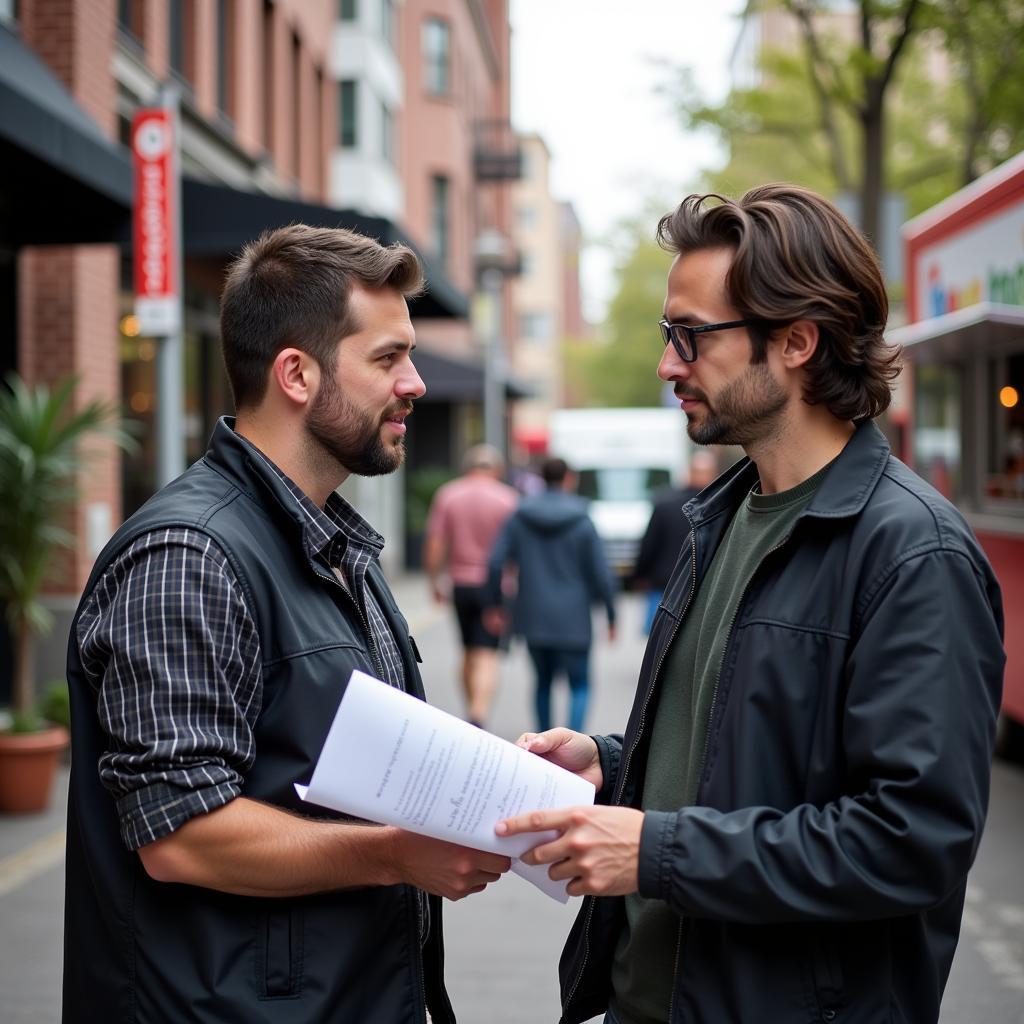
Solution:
(562, 571)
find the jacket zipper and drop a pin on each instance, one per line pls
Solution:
(626, 766)
(419, 953)
(367, 632)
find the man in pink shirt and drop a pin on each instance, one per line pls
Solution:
(465, 518)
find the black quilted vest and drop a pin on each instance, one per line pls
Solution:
(146, 951)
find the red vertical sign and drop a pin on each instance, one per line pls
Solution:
(153, 155)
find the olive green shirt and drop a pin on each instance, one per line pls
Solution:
(644, 965)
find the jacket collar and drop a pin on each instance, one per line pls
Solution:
(843, 492)
(235, 459)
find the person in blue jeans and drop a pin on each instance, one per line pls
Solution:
(562, 572)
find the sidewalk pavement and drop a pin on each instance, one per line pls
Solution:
(502, 946)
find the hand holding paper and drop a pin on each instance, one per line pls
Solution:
(393, 759)
(596, 850)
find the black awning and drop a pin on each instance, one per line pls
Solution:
(61, 180)
(456, 380)
(218, 221)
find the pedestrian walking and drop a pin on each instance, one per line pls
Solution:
(666, 531)
(465, 517)
(207, 659)
(561, 571)
(783, 832)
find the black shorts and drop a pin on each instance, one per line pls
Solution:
(469, 608)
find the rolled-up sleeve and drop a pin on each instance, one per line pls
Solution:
(173, 652)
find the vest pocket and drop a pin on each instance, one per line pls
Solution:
(279, 954)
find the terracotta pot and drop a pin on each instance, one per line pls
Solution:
(27, 763)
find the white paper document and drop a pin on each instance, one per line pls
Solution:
(393, 759)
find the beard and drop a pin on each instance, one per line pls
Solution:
(351, 437)
(746, 410)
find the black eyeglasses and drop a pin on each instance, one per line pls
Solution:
(684, 337)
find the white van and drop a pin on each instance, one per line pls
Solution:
(623, 458)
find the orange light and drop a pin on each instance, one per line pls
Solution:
(130, 326)
(1008, 397)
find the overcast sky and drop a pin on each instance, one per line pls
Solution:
(584, 76)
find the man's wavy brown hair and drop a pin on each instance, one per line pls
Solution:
(798, 258)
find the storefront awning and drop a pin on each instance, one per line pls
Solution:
(456, 380)
(987, 328)
(218, 221)
(63, 181)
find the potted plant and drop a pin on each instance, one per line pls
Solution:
(40, 431)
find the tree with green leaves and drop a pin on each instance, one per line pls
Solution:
(620, 368)
(913, 96)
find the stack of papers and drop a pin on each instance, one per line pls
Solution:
(395, 760)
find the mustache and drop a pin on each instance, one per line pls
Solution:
(401, 407)
(695, 394)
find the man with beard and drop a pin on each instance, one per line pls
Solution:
(207, 659)
(783, 833)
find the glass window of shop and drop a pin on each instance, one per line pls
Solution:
(1004, 469)
(207, 395)
(938, 418)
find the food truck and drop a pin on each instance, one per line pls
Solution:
(963, 424)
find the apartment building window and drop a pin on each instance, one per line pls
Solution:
(535, 326)
(225, 55)
(267, 78)
(527, 216)
(348, 112)
(9, 10)
(128, 17)
(387, 21)
(437, 56)
(318, 106)
(440, 220)
(176, 35)
(348, 10)
(387, 133)
(296, 107)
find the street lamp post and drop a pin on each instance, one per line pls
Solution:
(494, 362)
(493, 264)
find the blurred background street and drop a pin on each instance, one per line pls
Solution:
(525, 149)
(503, 945)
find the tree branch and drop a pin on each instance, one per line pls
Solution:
(900, 42)
(818, 65)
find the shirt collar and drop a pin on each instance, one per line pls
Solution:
(326, 531)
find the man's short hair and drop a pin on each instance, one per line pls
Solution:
(797, 257)
(483, 456)
(291, 288)
(554, 471)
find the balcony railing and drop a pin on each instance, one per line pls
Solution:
(497, 155)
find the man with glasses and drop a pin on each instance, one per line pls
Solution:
(783, 833)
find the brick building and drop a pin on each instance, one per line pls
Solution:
(258, 128)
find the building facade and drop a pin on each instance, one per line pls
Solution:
(546, 295)
(259, 116)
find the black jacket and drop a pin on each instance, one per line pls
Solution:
(821, 873)
(137, 950)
